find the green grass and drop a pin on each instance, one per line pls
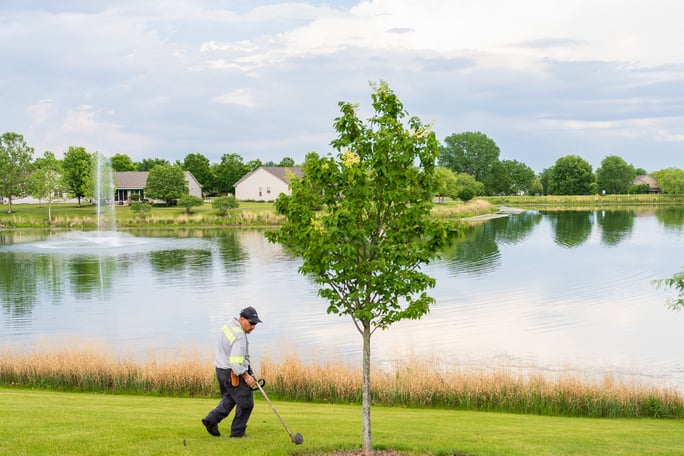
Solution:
(42, 423)
(574, 202)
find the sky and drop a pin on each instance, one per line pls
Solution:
(263, 78)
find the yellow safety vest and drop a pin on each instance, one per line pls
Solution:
(230, 333)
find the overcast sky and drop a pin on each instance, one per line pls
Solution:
(262, 79)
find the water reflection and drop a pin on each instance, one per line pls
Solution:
(477, 252)
(616, 226)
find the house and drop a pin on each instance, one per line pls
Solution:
(265, 183)
(129, 183)
(645, 179)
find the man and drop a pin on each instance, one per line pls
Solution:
(234, 375)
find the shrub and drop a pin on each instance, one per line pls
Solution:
(189, 201)
(223, 203)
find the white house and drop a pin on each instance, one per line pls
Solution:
(265, 183)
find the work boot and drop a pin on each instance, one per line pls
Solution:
(212, 428)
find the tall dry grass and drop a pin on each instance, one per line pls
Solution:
(97, 370)
(410, 383)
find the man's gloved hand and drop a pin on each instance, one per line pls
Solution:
(261, 383)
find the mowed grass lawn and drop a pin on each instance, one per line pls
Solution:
(34, 422)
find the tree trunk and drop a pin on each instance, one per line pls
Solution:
(366, 395)
(9, 204)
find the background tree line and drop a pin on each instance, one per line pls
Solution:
(470, 166)
(476, 155)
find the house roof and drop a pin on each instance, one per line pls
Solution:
(130, 179)
(646, 179)
(138, 179)
(279, 172)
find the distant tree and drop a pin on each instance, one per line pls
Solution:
(366, 247)
(446, 184)
(511, 177)
(166, 182)
(148, 163)
(189, 201)
(615, 175)
(571, 175)
(467, 187)
(253, 165)
(122, 162)
(229, 171)
(286, 162)
(224, 203)
(670, 180)
(200, 167)
(473, 153)
(545, 179)
(640, 172)
(77, 168)
(15, 166)
(537, 188)
(46, 180)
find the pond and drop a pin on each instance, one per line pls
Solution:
(555, 291)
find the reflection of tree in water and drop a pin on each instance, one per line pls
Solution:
(478, 250)
(90, 273)
(231, 251)
(616, 226)
(165, 261)
(571, 228)
(18, 285)
(671, 217)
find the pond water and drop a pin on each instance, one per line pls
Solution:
(555, 291)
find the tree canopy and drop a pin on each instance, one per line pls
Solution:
(166, 182)
(571, 175)
(77, 169)
(614, 176)
(15, 166)
(472, 153)
(360, 221)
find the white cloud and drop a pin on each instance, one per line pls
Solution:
(240, 97)
(174, 77)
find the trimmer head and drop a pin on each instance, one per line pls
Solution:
(297, 439)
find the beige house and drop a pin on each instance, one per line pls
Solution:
(130, 183)
(265, 183)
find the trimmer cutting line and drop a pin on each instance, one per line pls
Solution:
(297, 438)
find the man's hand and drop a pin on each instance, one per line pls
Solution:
(251, 382)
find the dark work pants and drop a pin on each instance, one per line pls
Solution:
(241, 397)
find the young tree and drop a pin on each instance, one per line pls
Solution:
(189, 201)
(166, 182)
(366, 245)
(77, 172)
(46, 179)
(15, 166)
(223, 203)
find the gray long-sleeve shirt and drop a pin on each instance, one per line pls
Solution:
(232, 350)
